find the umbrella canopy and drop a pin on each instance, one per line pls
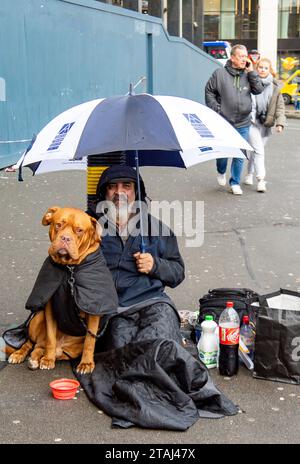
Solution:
(156, 124)
(172, 130)
(184, 159)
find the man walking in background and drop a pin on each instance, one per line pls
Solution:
(228, 92)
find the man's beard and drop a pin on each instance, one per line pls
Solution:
(119, 209)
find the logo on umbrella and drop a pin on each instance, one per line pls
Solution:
(59, 138)
(198, 125)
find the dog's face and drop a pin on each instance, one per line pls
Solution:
(73, 234)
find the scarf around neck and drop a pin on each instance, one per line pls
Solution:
(263, 99)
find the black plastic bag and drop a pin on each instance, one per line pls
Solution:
(277, 340)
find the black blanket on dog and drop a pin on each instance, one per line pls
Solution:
(145, 377)
(86, 287)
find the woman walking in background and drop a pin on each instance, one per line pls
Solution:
(267, 111)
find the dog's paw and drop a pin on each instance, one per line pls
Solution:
(47, 363)
(16, 358)
(33, 364)
(85, 368)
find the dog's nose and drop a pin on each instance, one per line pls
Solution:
(65, 238)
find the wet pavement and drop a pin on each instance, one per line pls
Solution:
(250, 241)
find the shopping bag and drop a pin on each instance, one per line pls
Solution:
(277, 340)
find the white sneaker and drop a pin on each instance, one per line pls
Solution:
(261, 186)
(221, 179)
(248, 179)
(236, 189)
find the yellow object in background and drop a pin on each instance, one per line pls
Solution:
(289, 62)
(291, 87)
(93, 175)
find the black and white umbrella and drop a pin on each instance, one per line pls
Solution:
(163, 127)
(154, 130)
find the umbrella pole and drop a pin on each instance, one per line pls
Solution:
(143, 245)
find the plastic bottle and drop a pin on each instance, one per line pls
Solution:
(247, 336)
(229, 332)
(208, 343)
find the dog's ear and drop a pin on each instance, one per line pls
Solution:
(47, 218)
(98, 229)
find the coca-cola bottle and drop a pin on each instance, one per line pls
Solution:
(229, 332)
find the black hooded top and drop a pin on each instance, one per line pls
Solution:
(134, 287)
(118, 172)
(115, 173)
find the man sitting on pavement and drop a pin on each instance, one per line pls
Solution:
(140, 277)
(143, 375)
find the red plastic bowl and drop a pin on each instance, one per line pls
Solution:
(64, 389)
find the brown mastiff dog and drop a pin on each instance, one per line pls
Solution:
(74, 236)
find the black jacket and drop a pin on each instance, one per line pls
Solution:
(132, 286)
(87, 287)
(228, 92)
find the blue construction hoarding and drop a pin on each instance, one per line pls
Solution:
(57, 53)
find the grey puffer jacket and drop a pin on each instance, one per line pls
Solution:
(228, 92)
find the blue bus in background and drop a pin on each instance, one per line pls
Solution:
(218, 49)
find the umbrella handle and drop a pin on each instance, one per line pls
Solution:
(143, 248)
(143, 245)
(20, 177)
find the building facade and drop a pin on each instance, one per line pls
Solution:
(68, 52)
(236, 21)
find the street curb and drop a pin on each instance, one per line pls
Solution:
(293, 115)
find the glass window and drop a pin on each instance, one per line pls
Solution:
(211, 19)
(227, 26)
(211, 27)
(230, 19)
(289, 19)
(246, 19)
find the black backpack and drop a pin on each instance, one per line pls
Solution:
(215, 301)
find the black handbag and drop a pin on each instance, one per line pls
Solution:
(215, 301)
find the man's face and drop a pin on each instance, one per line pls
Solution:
(239, 59)
(122, 197)
(119, 192)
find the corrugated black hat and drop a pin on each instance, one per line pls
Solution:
(118, 173)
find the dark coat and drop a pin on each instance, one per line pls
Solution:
(132, 286)
(228, 92)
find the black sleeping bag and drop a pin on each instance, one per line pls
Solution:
(145, 377)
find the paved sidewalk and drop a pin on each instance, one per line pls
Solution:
(249, 241)
(291, 113)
